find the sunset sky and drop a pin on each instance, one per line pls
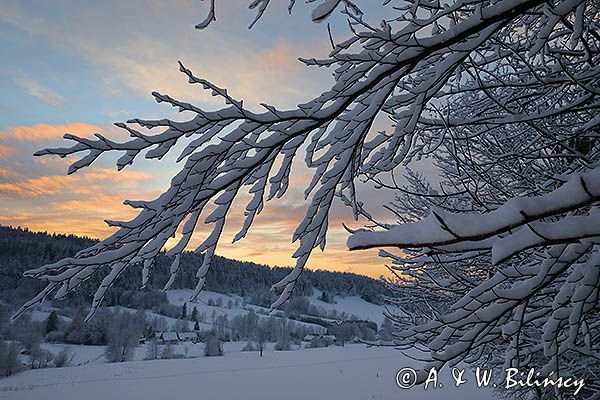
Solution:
(77, 67)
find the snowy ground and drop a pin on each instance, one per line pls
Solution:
(350, 372)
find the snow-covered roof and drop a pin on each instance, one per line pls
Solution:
(188, 335)
(310, 337)
(169, 336)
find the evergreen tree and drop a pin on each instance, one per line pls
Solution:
(195, 314)
(184, 311)
(77, 331)
(149, 332)
(52, 322)
(196, 326)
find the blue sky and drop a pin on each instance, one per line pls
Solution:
(79, 66)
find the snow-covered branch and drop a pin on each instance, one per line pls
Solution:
(441, 229)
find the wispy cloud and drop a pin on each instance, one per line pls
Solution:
(140, 61)
(38, 91)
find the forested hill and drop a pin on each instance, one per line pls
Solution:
(21, 249)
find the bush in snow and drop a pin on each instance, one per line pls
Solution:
(327, 297)
(94, 331)
(387, 330)
(317, 342)
(153, 350)
(283, 344)
(168, 352)
(250, 346)
(9, 358)
(213, 347)
(40, 358)
(64, 358)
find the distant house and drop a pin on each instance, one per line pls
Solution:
(188, 336)
(168, 337)
(174, 337)
(308, 338)
(328, 339)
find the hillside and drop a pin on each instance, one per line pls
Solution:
(21, 249)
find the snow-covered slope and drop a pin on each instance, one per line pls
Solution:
(219, 303)
(351, 305)
(180, 296)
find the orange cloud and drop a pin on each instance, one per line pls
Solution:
(114, 176)
(62, 163)
(35, 195)
(85, 183)
(33, 187)
(279, 60)
(6, 173)
(46, 132)
(41, 132)
(81, 216)
(268, 242)
(6, 151)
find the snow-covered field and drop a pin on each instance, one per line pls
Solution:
(353, 372)
(350, 372)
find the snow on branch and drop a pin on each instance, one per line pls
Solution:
(321, 12)
(441, 229)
